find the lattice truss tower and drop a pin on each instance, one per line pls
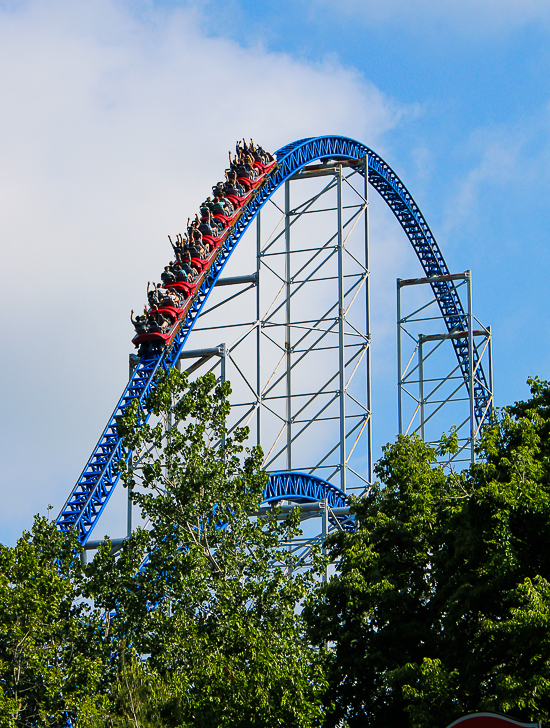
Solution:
(292, 334)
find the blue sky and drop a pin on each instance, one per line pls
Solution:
(115, 117)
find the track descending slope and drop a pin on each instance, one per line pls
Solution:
(99, 478)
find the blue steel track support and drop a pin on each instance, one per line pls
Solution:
(99, 477)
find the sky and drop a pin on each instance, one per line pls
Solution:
(116, 117)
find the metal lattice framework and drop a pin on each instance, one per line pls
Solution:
(298, 341)
(99, 477)
(430, 381)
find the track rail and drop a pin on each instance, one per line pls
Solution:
(99, 477)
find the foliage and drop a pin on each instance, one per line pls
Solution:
(50, 643)
(214, 608)
(440, 605)
(441, 602)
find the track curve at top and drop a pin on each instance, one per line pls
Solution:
(99, 478)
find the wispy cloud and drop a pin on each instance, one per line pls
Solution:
(469, 17)
(511, 159)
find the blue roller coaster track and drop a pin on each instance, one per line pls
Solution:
(95, 485)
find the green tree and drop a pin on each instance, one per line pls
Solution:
(441, 601)
(214, 609)
(50, 639)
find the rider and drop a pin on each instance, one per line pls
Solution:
(167, 276)
(196, 248)
(205, 226)
(222, 206)
(232, 187)
(180, 273)
(140, 323)
(153, 295)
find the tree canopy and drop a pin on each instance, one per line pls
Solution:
(51, 649)
(441, 601)
(213, 604)
(439, 605)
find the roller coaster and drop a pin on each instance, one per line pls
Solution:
(310, 484)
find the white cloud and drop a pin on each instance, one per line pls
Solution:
(509, 158)
(498, 159)
(112, 129)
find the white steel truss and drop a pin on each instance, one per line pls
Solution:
(430, 403)
(299, 352)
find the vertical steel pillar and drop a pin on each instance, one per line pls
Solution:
(341, 332)
(471, 366)
(129, 509)
(367, 322)
(490, 355)
(324, 533)
(224, 361)
(258, 334)
(288, 331)
(421, 386)
(399, 363)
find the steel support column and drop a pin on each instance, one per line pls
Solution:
(471, 385)
(258, 334)
(421, 387)
(341, 332)
(399, 363)
(367, 323)
(288, 338)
